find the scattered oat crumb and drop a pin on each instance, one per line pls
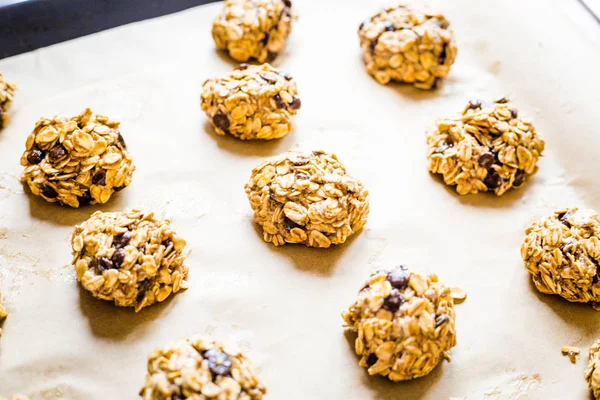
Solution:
(570, 351)
(458, 294)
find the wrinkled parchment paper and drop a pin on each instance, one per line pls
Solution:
(282, 305)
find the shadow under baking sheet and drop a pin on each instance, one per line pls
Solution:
(106, 320)
(384, 389)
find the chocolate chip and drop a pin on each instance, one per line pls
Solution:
(287, 76)
(279, 101)
(486, 160)
(371, 359)
(121, 240)
(441, 319)
(118, 258)
(302, 175)
(48, 191)
(300, 161)
(474, 104)
(393, 301)
(99, 177)
(218, 362)
(513, 113)
(268, 78)
(85, 198)
(242, 67)
(103, 264)
(167, 242)
(35, 156)
(287, 3)
(288, 224)
(519, 177)
(442, 56)
(271, 56)
(492, 180)
(121, 141)
(296, 103)
(389, 27)
(221, 121)
(398, 278)
(57, 152)
(442, 147)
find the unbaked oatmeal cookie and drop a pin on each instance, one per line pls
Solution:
(308, 198)
(592, 373)
(486, 147)
(407, 45)
(405, 323)
(201, 369)
(252, 102)
(253, 29)
(7, 92)
(562, 254)
(76, 161)
(130, 258)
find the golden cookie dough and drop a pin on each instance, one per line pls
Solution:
(486, 147)
(407, 45)
(405, 323)
(252, 102)
(562, 254)
(7, 93)
(130, 258)
(201, 369)
(253, 29)
(592, 373)
(307, 198)
(76, 161)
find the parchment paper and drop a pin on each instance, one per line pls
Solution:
(282, 305)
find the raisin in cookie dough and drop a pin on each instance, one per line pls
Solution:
(253, 29)
(198, 368)
(7, 93)
(307, 198)
(407, 45)
(130, 258)
(252, 102)
(592, 373)
(405, 323)
(487, 147)
(76, 161)
(562, 254)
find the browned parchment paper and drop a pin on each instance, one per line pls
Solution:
(282, 305)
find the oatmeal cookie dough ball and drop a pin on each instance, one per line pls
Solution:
(407, 45)
(253, 29)
(405, 323)
(7, 92)
(252, 102)
(562, 254)
(202, 369)
(487, 147)
(76, 161)
(592, 373)
(130, 258)
(308, 198)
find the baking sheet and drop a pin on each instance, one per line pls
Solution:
(282, 305)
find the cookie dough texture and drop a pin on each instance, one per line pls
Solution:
(7, 92)
(562, 254)
(76, 161)
(405, 323)
(486, 147)
(253, 29)
(15, 397)
(130, 258)
(252, 102)
(308, 198)
(198, 368)
(407, 45)
(592, 373)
